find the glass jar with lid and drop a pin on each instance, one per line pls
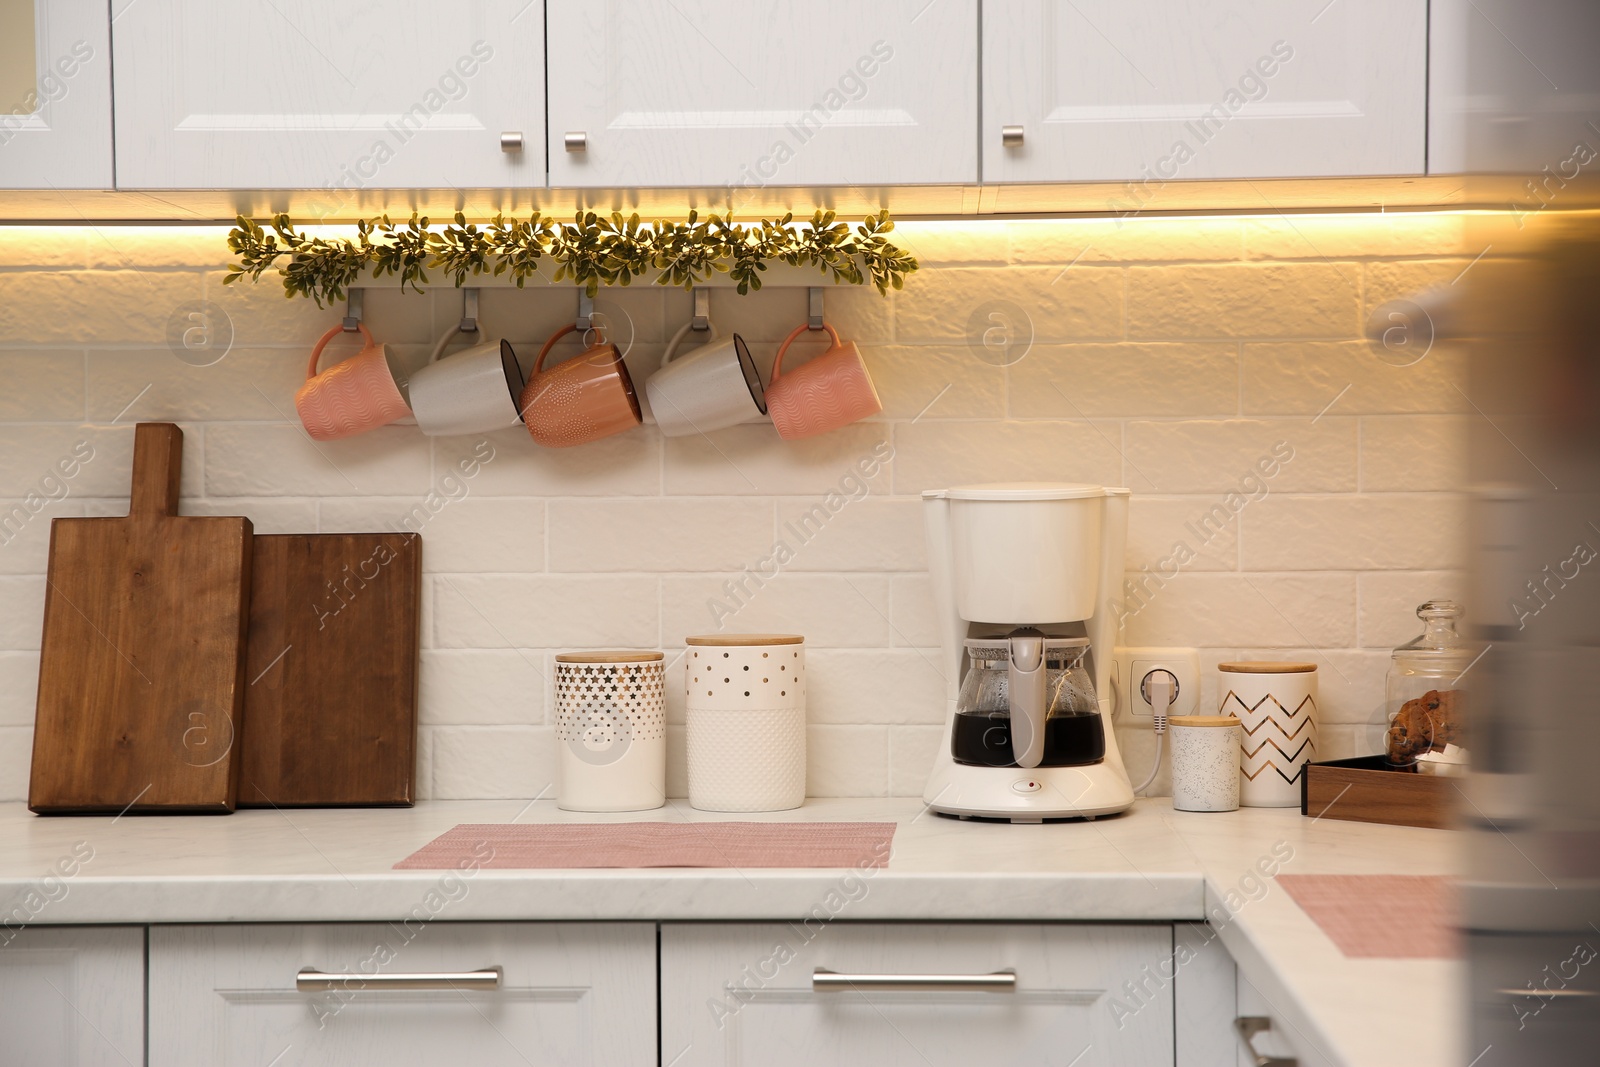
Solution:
(982, 732)
(1425, 701)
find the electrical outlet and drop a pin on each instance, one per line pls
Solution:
(1132, 665)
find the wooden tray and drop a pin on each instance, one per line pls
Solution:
(1367, 789)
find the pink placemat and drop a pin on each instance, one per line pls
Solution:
(658, 844)
(1380, 916)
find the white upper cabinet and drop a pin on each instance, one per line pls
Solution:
(1105, 90)
(302, 94)
(728, 93)
(55, 95)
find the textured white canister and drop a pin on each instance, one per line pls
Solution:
(611, 722)
(745, 705)
(1205, 762)
(1276, 704)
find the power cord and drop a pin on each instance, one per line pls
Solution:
(1161, 689)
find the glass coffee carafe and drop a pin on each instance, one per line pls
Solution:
(983, 734)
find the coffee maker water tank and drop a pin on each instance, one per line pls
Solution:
(1026, 552)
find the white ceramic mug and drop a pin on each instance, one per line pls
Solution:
(474, 391)
(611, 721)
(1276, 704)
(745, 709)
(713, 387)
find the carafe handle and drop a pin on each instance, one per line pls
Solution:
(1025, 678)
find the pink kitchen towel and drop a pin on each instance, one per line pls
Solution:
(658, 844)
(1380, 916)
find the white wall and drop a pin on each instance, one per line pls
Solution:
(1168, 355)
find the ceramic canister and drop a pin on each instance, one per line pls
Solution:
(745, 705)
(1276, 704)
(611, 722)
(1205, 762)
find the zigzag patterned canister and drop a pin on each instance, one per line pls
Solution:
(1276, 704)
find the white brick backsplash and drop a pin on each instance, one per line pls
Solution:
(829, 611)
(868, 534)
(1350, 378)
(1196, 456)
(19, 688)
(25, 532)
(471, 762)
(22, 622)
(847, 761)
(930, 455)
(1185, 349)
(1092, 381)
(754, 460)
(1081, 304)
(1416, 452)
(483, 687)
(1386, 531)
(1206, 608)
(911, 752)
(16, 755)
(276, 459)
(1388, 615)
(42, 386)
(861, 686)
(526, 611)
(658, 535)
(1138, 748)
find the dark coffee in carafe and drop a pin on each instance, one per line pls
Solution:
(983, 739)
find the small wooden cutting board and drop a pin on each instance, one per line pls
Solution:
(331, 694)
(140, 670)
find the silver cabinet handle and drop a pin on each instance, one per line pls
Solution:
(1550, 994)
(511, 141)
(576, 141)
(1248, 1027)
(311, 980)
(825, 981)
(1011, 136)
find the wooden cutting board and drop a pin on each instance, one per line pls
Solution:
(331, 671)
(140, 671)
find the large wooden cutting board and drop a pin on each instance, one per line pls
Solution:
(140, 672)
(331, 694)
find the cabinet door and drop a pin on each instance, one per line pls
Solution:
(72, 996)
(55, 95)
(1091, 996)
(299, 94)
(1105, 90)
(570, 993)
(731, 94)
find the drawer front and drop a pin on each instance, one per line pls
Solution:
(570, 993)
(1089, 995)
(72, 996)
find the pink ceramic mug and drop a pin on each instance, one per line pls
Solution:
(831, 391)
(351, 397)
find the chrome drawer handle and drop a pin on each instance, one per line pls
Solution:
(311, 980)
(1011, 136)
(825, 981)
(1248, 1027)
(576, 141)
(1549, 994)
(511, 141)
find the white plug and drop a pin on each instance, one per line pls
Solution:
(1160, 689)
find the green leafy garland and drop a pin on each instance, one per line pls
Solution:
(592, 250)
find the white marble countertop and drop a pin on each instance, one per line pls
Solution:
(1150, 864)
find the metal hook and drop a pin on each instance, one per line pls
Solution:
(352, 309)
(702, 309)
(585, 319)
(814, 307)
(469, 311)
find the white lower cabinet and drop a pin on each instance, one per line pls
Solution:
(568, 994)
(72, 996)
(1088, 995)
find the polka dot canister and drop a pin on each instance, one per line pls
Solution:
(745, 706)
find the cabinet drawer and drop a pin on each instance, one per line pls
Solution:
(569, 993)
(72, 996)
(744, 994)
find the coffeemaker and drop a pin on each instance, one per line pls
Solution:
(1024, 579)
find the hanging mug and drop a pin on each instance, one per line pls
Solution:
(357, 395)
(713, 387)
(831, 391)
(581, 400)
(473, 391)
